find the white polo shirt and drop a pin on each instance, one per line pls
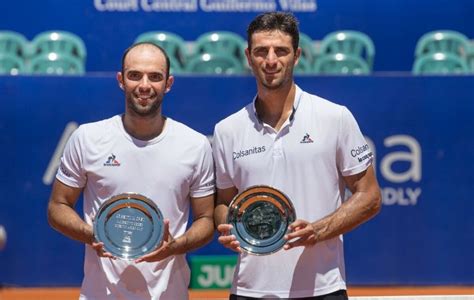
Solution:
(307, 159)
(105, 160)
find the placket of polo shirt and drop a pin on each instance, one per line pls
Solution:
(278, 147)
(278, 140)
(273, 134)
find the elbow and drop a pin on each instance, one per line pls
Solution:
(50, 216)
(376, 203)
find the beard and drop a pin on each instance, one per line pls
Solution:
(275, 83)
(149, 110)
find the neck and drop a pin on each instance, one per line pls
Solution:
(143, 128)
(274, 107)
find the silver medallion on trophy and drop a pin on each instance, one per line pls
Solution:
(260, 216)
(130, 225)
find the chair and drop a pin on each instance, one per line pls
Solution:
(350, 42)
(13, 43)
(308, 50)
(60, 42)
(443, 41)
(222, 42)
(11, 64)
(341, 64)
(172, 43)
(440, 63)
(303, 66)
(214, 63)
(175, 66)
(56, 64)
(470, 57)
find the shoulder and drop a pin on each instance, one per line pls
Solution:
(97, 131)
(187, 134)
(235, 120)
(321, 104)
(323, 109)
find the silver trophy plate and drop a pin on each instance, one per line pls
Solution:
(130, 225)
(260, 216)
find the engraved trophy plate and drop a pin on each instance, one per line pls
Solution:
(260, 216)
(130, 225)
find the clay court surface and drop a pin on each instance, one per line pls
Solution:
(73, 293)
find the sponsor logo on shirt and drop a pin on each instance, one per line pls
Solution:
(306, 139)
(64, 170)
(359, 153)
(247, 152)
(111, 161)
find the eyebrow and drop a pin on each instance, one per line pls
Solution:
(151, 72)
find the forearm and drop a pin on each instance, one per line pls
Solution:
(224, 198)
(199, 234)
(359, 208)
(65, 219)
(220, 214)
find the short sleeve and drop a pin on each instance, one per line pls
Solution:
(203, 183)
(353, 152)
(223, 178)
(71, 171)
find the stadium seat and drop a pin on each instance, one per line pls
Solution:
(172, 43)
(349, 42)
(11, 64)
(56, 64)
(214, 63)
(60, 42)
(470, 57)
(308, 50)
(341, 64)
(440, 63)
(443, 41)
(13, 43)
(303, 66)
(221, 42)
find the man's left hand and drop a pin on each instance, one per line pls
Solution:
(302, 233)
(166, 249)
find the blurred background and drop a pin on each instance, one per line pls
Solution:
(404, 68)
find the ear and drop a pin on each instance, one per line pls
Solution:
(120, 80)
(297, 55)
(247, 54)
(169, 83)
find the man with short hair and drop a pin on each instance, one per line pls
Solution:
(305, 150)
(145, 152)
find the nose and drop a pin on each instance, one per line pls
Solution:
(271, 58)
(144, 85)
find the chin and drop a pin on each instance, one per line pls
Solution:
(272, 85)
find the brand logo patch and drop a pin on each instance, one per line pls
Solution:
(306, 139)
(111, 161)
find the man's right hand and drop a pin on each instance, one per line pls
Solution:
(99, 248)
(228, 240)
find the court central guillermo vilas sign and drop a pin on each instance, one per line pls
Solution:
(205, 5)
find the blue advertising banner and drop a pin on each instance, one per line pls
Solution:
(420, 128)
(109, 26)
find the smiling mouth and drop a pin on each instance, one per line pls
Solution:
(144, 97)
(271, 72)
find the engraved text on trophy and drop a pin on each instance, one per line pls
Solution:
(262, 220)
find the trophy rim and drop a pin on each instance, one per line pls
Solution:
(244, 245)
(156, 215)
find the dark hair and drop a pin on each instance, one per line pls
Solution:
(149, 44)
(282, 21)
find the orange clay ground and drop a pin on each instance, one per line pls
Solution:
(73, 293)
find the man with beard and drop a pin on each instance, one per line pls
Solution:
(307, 144)
(145, 152)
